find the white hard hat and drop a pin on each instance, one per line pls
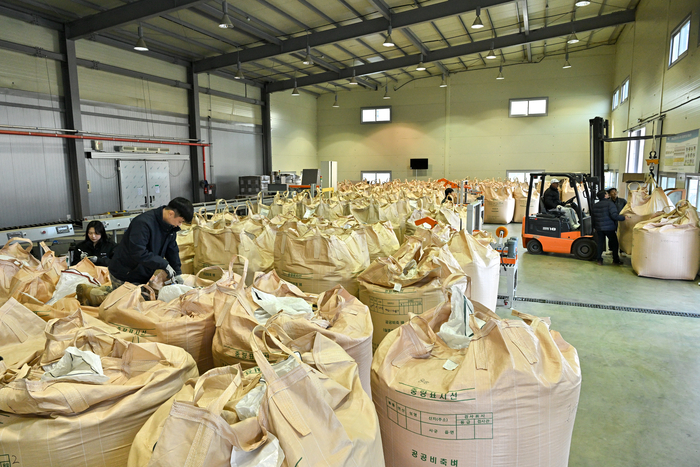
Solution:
(554, 180)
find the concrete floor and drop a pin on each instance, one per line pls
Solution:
(640, 396)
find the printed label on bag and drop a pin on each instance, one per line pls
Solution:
(395, 306)
(138, 332)
(467, 426)
(437, 460)
(6, 460)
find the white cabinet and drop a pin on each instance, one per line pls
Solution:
(143, 184)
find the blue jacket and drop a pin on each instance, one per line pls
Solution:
(148, 244)
(605, 215)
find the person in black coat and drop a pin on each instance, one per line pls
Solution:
(605, 218)
(551, 197)
(448, 196)
(97, 246)
(150, 244)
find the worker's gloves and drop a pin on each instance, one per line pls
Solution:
(178, 280)
(170, 271)
(93, 259)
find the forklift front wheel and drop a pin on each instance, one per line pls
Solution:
(534, 246)
(584, 249)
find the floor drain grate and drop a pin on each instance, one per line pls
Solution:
(609, 307)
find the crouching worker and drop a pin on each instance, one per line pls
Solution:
(148, 249)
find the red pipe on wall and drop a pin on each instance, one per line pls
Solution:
(111, 138)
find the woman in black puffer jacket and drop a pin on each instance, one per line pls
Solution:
(97, 247)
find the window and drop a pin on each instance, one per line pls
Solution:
(533, 107)
(377, 176)
(679, 42)
(523, 176)
(692, 183)
(610, 179)
(668, 181)
(376, 114)
(635, 152)
(624, 90)
(616, 98)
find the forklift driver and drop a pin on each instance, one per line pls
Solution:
(551, 195)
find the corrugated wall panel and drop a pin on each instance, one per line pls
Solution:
(234, 154)
(106, 87)
(14, 30)
(232, 111)
(130, 60)
(35, 178)
(25, 73)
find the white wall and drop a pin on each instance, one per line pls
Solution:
(642, 55)
(294, 130)
(464, 129)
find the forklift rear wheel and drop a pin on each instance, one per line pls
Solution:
(534, 247)
(584, 248)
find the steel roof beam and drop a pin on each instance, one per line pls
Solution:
(125, 14)
(347, 32)
(560, 30)
(382, 7)
(214, 14)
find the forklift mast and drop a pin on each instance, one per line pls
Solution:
(598, 131)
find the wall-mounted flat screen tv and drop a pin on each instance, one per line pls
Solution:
(419, 164)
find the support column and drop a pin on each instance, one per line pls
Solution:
(196, 152)
(74, 121)
(267, 132)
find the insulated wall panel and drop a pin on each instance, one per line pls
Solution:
(34, 175)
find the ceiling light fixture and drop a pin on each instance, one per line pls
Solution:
(239, 73)
(572, 39)
(567, 64)
(295, 91)
(500, 72)
(443, 84)
(582, 3)
(477, 24)
(308, 60)
(388, 42)
(386, 90)
(491, 55)
(335, 103)
(353, 81)
(420, 66)
(225, 19)
(140, 43)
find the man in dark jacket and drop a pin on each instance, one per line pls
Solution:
(605, 217)
(551, 197)
(149, 244)
(619, 202)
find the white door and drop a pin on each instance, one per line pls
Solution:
(158, 174)
(132, 185)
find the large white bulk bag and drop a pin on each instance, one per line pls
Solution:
(64, 421)
(521, 202)
(640, 207)
(508, 398)
(479, 262)
(317, 261)
(668, 246)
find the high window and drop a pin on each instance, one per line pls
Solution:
(692, 184)
(635, 152)
(616, 99)
(625, 90)
(523, 176)
(376, 176)
(679, 42)
(376, 114)
(533, 107)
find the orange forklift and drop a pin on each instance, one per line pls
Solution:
(550, 231)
